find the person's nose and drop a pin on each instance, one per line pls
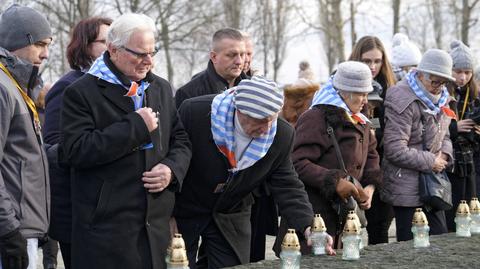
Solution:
(44, 53)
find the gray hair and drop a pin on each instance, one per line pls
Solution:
(226, 33)
(124, 26)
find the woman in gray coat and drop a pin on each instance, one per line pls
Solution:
(418, 102)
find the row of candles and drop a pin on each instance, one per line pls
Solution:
(467, 223)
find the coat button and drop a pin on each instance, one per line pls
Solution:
(358, 167)
(360, 140)
(147, 223)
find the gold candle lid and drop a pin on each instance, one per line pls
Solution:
(463, 209)
(353, 214)
(419, 218)
(179, 256)
(318, 224)
(351, 227)
(176, 243)
(290, 241)
(475, 206)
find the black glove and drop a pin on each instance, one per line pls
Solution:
(13, 249)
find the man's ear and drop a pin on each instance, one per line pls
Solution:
(112, 50)
(213, 56)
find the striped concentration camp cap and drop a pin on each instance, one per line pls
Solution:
(258, 97)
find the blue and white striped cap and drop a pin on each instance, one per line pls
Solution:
(258, 97)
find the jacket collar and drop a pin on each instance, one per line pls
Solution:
(218, 82)
(22, 70)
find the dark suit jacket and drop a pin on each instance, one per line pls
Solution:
(231, 209)
(203, 83)
(116, 222)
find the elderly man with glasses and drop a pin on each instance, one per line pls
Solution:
(128, 150)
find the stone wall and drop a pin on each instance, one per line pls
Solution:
(445, 251)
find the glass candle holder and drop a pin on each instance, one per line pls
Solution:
(290, 254)
(351, 247)
(319, 241)
(421, 237)
(463, 220)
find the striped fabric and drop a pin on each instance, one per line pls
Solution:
(327, 95)
(222, 120)
(101, 70)
(258, 97)
(432, 108)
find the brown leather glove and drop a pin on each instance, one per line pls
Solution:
(346, 189)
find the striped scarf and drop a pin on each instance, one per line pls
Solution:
(100, 69)
(222, 120)
(329, 96)
(432, 108)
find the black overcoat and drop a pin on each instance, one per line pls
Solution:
(231, 209)
(116, 222)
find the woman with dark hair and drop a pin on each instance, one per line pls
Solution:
(464, 132)
(87, 44)
(370, 50)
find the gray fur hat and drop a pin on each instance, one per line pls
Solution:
(461, 55)
(352, 76)
(436, 62)
(21, 26)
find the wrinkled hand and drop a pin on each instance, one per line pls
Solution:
(157, 179)
(13, 251)
(149, 117)
(465, 126)
(346, 189)
(328, 247)
(369, 190)
(440, 164)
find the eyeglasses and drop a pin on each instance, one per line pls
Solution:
(140, 55)
(435, 83)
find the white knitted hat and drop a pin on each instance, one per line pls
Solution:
(352, 76)
(404, 51)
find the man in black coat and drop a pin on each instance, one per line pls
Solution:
(224, 68)
(238, 142)
(129, 153)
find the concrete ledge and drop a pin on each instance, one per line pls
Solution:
(445, 251)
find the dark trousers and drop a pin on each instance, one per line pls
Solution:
(379, 218)
(463, 188)
(264, 220)
(403, 220)
(65, 249)
(217, 250)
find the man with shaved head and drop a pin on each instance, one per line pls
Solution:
(224, 70)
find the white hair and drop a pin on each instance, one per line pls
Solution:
(124, 26)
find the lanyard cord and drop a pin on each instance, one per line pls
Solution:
(28, 101)
(465, 102)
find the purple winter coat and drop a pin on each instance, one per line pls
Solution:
(404, 156)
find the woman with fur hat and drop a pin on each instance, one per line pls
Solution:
(370, 50)
(337, 105)
(465, 130)
(298, 96)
